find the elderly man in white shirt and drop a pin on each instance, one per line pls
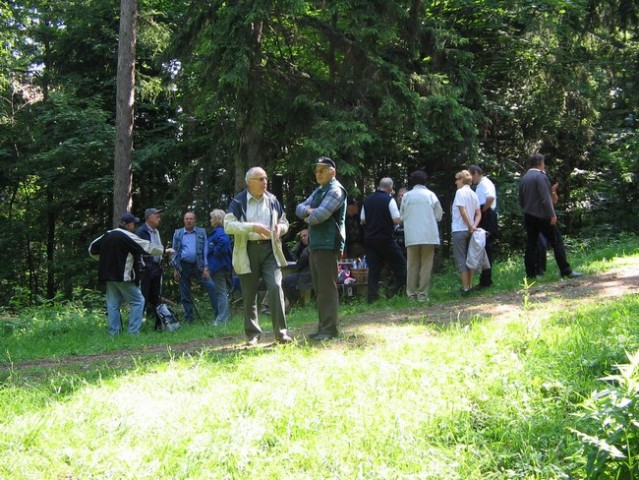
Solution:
(420, 212)
(487, 195)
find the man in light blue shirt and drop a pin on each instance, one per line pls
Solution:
(191, 251)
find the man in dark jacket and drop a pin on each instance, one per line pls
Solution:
(354, 231)
(151, 277)
(325, 212)
(117, 251)
(536, 198)
(301, 278)
(380, 214)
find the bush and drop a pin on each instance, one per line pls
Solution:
(612, 415)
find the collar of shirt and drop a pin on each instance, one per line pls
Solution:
(257, 211)
(252, 197)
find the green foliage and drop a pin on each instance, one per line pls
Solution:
(609, 425)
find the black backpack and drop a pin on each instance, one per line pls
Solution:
(168, 317)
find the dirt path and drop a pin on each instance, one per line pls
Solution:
(504, 306)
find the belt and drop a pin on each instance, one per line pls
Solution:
(260, 242)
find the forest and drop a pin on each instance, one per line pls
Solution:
(384, 87)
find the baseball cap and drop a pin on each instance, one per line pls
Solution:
(325, 161)
(129, 218)
(151, 211)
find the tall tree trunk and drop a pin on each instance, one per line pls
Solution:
(249, 126)
(122, 169)
(51, 213)
(51, 224)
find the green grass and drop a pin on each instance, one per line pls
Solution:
(480, 400)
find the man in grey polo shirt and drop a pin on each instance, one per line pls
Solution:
(257, 221)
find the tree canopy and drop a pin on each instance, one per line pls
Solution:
(383, 87)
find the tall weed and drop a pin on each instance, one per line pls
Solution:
(610, 426)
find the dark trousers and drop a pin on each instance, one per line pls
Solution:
(189, 272)
(264, 266)
(489, 223)
(289, 285)
(323, 265)
(151, 287)
(378, 253)
(535, 226)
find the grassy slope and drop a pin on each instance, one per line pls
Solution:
(410, 400)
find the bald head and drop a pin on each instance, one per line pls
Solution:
(386, 184)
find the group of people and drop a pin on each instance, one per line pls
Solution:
(404, 237)
(132, 264)
(256, 221)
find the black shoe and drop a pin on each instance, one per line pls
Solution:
(320, 337)
(284, 339)
(573, 275)
(466, 291)
(251, 342)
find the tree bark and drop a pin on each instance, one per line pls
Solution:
(122, 168)
(249, 126)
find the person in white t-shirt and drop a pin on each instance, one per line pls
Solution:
(487, 195)
(466, 217)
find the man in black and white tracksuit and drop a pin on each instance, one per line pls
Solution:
(117, 251)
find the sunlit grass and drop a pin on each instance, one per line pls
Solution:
(421, 401)
(405, 399)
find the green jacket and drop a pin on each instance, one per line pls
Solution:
(329, 204)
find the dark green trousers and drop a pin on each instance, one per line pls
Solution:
(323, 265)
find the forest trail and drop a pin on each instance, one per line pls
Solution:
(371, 327)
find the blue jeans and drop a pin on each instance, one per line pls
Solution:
(221, 296)
(118, 292)
(188, 272)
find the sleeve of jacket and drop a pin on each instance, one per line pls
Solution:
(437, 208)
(94, 248)
(300, 210)
(142, 246)
(283, 223)
(233, 225)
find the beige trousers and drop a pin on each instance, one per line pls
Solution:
(419, 266)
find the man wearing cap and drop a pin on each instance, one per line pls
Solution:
(190, 262)
(117, 251)
(325, 213)
(379, 215)
(257, 222)
(151, 277)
